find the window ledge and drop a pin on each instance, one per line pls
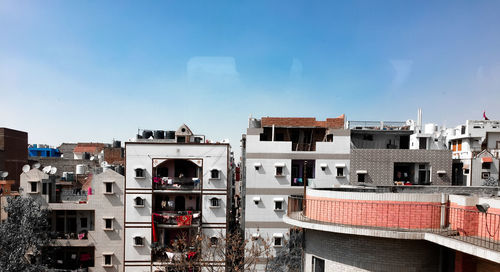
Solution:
(140, 177)
(138, 245)
(105, 229)
(214, 207)
(341, 176)
(279, 210)
(107, 265)
(109, 193)
(279, 176)
(139, 206)
(33, 192)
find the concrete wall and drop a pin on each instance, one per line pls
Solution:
(379, 164)
(343, 252)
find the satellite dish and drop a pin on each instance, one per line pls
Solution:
(53, 170)
(26, 168)
(36, 165)
(92, 158)
(46, 169)
(4, 174)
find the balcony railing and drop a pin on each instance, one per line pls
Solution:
(176, 183)
(471, 226)
(177, 219)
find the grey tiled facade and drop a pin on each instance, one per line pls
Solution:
(379, 164)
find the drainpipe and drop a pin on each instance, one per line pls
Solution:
(272, 140)
(444, 201)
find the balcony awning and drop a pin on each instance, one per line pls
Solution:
(278, 235)
(108, 253)
(279, 164)
(340, 165)
(108, 217)
(361, 172)
(278, 199)
(441, 172)
(323, 165)
(486, 159)
(257, 164)
(139, 167)
(257, 198)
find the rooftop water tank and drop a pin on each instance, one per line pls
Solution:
(117, 144)
(159, 134)
(146, 134)
(170, 135)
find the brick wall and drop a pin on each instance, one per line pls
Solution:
(343, 252)
(387, 214)
(302, 122)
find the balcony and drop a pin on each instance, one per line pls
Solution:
(181, 219)
(181, 184)
(463, 224)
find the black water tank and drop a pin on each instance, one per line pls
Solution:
(170, 134)
(120, 169)
(159, 134)
(139, 136)
(86, 156)
(146, 134)
(197, 140)
(117, 144)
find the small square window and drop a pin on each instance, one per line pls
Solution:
(140, 173)
(138, 241)
(278, 241)
(215, 174)
(486, 165)
(278, 205)
(340, 171)
(33, 187)
(108, 223)
(279, 170)
(214, 241)
(108, 188)
(214, 202)
(361, 177)
(139, 201)
(466, 171)
(108, 260)
(485, 175)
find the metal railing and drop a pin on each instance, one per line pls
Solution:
(378, 125)
(471, 226)
(177, 184)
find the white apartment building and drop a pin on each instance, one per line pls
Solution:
(471, 166)
(177, 187)
(279, 154)
(86, 217)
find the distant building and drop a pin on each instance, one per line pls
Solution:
(13, 153)
(472, 166)
(177, 187)
(281, 154)
(43, 151)
(86, 216)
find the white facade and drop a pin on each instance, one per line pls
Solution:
(266, 184)
(197, 161)
(89, 210)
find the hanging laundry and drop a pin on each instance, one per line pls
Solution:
(163, 204)
(171, 203)
(184, 220)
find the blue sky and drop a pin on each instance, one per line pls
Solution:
(98, 70)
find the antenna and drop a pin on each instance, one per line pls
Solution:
(53, 170)
(46, 169)
(36, 165)
(26, 168)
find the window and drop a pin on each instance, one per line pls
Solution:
(279, 171)
(139, 201)
(422, 144)
(463, 130)
(214, 202)
(278, 239)
(486, 165)
(257, 165)
(459, 145)
(278, 203)
(33, 187)
(466, 171)
(214, 241)
(215, 174)
(108, 223)
(83, 222)
(181, 139)
(138, 241)
(107, 259)
(139, 173)
(318, 264)
(361, 177)
(485, 175)
(108, 187)
(340, 171)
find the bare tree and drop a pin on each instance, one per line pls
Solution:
(289, 258)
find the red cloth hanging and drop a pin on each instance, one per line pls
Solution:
(153, 224)
(184, 220)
